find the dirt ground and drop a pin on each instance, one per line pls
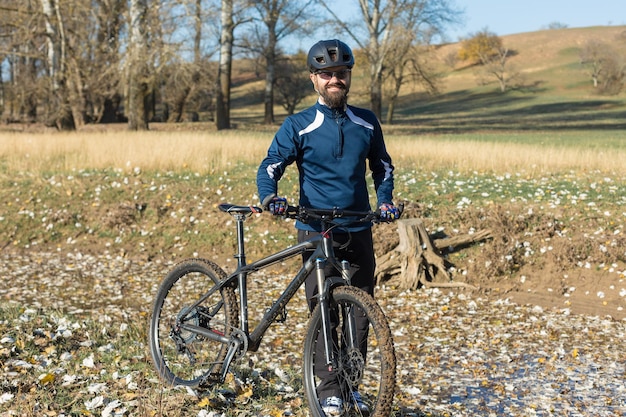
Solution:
(570, 276)
(582, 291)
(586, 291)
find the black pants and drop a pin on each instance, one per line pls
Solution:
(357, 248)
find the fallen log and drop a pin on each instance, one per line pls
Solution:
(417, 261)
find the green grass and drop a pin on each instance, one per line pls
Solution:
(95, 211)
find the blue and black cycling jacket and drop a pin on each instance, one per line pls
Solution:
(331, 148)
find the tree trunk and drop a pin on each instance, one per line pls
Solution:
(376, 93)
(137, 84)
(222, 100)
(270, 72)
(269, 91)
(55, 38)
(417, 260)
(180, 101)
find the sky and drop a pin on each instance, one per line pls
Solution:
(506, 17)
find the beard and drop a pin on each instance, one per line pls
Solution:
(335, 99)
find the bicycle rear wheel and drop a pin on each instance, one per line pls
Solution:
(183, 357)
(372, 374)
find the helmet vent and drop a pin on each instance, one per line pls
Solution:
(332, 53)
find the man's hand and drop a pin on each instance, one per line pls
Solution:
(277, 206)
(388, 212)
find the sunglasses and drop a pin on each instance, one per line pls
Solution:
(327, 75)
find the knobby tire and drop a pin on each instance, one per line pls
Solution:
(374, 375)
(182, 357)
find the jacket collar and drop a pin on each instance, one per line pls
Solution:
(325, 109)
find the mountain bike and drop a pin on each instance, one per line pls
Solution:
(200, 324)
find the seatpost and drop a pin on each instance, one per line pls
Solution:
(241, 251)
(241, 262)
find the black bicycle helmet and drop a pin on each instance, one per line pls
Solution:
(329, 53)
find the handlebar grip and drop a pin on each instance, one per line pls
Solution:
(292, 212)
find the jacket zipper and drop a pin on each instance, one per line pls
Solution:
(340, 140)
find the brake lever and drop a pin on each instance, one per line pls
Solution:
(293, 212)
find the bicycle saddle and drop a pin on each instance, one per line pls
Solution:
(232, 208)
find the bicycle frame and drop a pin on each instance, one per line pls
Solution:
(323, 252)
(196, 338)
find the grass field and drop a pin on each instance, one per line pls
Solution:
(74, 340)
(207, 152)
(57, 186)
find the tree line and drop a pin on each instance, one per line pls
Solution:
(67, 63)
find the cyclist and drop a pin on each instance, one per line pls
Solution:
(332, 143)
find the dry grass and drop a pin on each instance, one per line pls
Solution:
(197, 151)
(207, 152)
(432, 152)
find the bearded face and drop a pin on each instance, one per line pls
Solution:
(333, 86)
(335, 96)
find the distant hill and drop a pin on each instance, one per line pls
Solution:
(549, 56)
(559, 94)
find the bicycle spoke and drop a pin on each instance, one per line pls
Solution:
(182, 356)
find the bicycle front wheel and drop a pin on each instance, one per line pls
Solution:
(365, 364)
(181, 356)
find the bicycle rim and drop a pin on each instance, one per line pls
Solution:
(182, 357)
(373, 375)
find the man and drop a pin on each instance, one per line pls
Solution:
(331, 144)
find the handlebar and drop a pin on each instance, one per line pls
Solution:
(306, 214)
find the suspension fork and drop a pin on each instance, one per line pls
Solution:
(348, 331)
(323, 293)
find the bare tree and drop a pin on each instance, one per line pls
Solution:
(56, 43)
(415, 67)
(184, 81)
(497, 66)
(21, 45)
(137, 68)
(105, 94)
(487, 50)
(222, 102)
(605, 66)
(278, 19)
(380, 20)
(232, 15)
(292, 82)
(555, 26)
